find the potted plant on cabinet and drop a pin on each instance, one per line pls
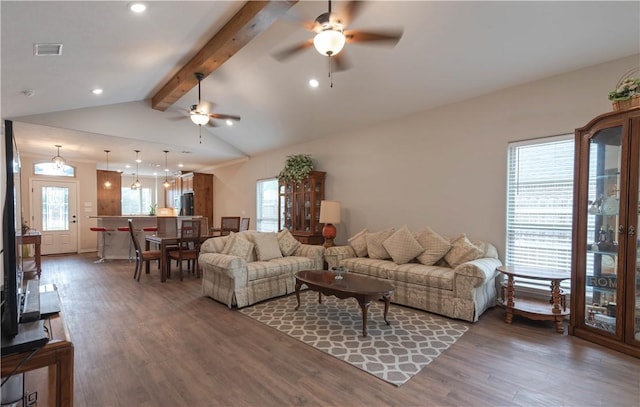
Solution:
(296, 168)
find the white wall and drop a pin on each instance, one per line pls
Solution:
(444, 168)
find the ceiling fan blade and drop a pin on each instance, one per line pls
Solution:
(205, 106)
(390, 37)
(348, 13)
(341, 62)
(289, 52)
(224, 116)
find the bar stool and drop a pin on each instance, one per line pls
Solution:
(126, 229)
(102, 231)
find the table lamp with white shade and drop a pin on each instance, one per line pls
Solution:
(330, 216)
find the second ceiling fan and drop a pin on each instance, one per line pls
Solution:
(331, 36)
(201, 114)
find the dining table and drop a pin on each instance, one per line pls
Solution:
(165, 242)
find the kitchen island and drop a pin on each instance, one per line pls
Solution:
(114, 244)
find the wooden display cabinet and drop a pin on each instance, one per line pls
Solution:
(299, 207)
(605, 281)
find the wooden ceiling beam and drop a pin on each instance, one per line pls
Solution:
(252, 19)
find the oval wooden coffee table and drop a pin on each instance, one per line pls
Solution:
(364, 289)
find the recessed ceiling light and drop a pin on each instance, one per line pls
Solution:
(137, 7)
(313, 83)
(96, 91)
(127, 166)
(229, 122)
(180, 165)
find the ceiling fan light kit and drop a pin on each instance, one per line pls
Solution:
(329, 42)
(200, 114)
(199, 118)
(330, 36)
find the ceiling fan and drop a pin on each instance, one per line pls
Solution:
(201, 114)
(331, 36)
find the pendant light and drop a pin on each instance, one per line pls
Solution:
(137, 183)
(58, 160)
(166, 170)
(107, 183)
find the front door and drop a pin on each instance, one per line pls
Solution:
(54, 213)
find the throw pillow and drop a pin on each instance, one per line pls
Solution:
(218, 243)
(267, 246)
(375, 249)
(435, 247)
(462, 251)
(238, 246)
(359, 243)
(487, 248)
(288, 244)
(402, 246)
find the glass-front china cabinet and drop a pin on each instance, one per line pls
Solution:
(299, 207)
(605, 286)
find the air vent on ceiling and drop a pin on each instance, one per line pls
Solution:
(47, 49)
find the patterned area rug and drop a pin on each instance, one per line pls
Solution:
(393, 353)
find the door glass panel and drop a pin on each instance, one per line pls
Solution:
(602, 229)
(55, 209)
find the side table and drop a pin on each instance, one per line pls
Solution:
(33, 237)
(553, 310)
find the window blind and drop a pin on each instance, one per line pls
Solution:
(540, 205)
(267, 205)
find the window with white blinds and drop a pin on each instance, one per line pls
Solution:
(540, 204)
(267, 205)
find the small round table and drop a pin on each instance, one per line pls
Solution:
(534, 309)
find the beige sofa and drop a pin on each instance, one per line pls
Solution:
(248, 267)
(454, 278)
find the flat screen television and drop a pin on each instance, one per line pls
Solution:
(11, 222)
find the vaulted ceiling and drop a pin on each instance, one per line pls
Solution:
(450, 51)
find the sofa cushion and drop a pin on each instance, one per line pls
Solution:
(267, 246)
(419, 274)
(258, 270)
(359, 243)
(367, 266)
(402, 246)
(288, 244)
(375, 249)
(435, 247)
(462, 251)
(410, 273)
(238, 246)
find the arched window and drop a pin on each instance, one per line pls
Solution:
(49, 168)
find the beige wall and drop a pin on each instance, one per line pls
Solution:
(444, 168)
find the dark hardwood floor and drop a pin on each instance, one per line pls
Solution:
(164, 344)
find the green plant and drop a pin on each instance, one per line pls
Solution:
(626, 90)
(152, 209)
(296, 168)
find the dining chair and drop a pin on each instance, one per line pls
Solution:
(188, 247)
(142, 256)
(229, 224)
(244, 224)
